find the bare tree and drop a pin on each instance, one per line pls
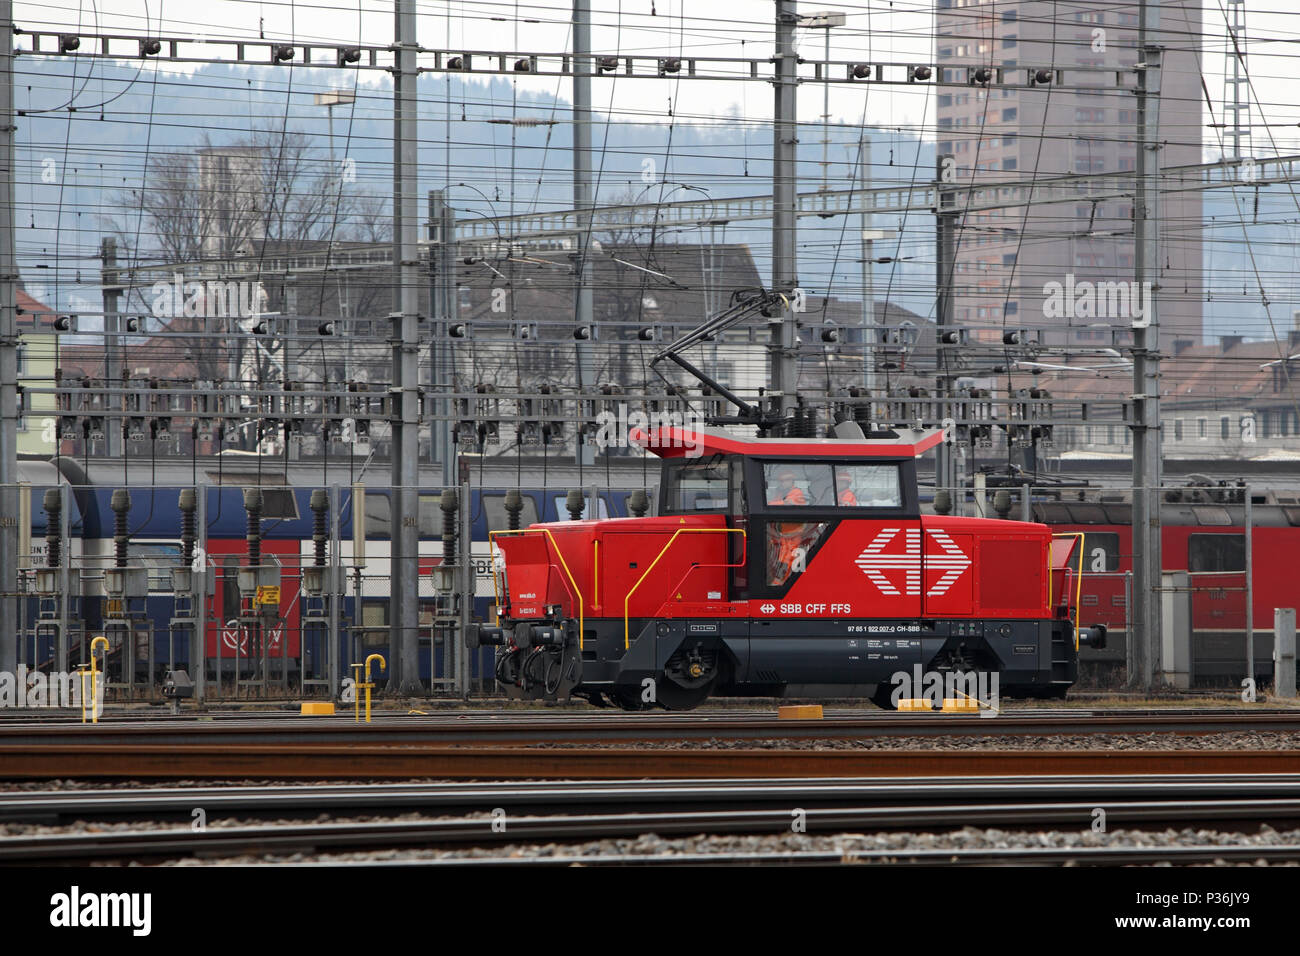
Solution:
(226, 205)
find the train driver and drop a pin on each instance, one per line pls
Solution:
(786, 491)
(844, 484)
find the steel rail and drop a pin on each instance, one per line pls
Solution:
(90, 760)
(592, 726)
(280, 838)
(227, 801)
(1184, 855)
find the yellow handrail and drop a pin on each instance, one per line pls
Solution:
(551, 538)
(100, 641)
(383, 666)
(627, 641)
(1078, 583)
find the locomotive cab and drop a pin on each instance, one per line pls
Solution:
(781, 567)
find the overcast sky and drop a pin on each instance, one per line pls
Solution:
(883, 31)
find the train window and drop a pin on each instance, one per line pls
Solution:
(868, 486)
(1216, 552)
(278, 503)
(798, 483)
(739, 495)
(789, 545)
(494, 509)
(1100, 553)
(230, 589)
(379, 516)
(430, 516)
(696, 486)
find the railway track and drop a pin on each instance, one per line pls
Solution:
(511, 746)
(97, 761)
(512, 727)
(593, 812)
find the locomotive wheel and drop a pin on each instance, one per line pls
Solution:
(673, 696)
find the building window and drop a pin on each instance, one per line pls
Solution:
(1178, 429)
(1008, 42)
(1202, 428)
(1008, 16)
(1008, 164)
(1223, 428)
(1008, 115)
(22, 358)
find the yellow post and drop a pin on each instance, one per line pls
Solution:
(100, 641)
(382, 666)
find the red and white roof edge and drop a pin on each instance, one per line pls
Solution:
(674, 441)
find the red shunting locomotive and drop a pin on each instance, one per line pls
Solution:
(785, 567)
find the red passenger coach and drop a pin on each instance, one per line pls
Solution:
(781, 567)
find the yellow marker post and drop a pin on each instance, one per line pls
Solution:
(100, 641)
(382, 666)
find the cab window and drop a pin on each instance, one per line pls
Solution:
(792, 484)
(700, 485)
(867, 486)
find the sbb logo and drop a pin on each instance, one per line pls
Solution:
(767, 608)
